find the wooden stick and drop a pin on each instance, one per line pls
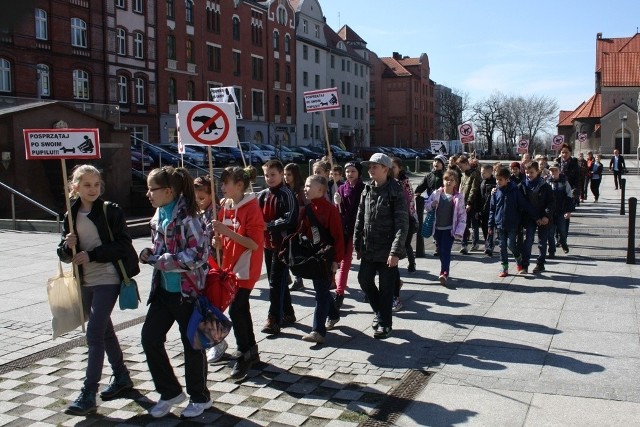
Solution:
(326, 137)
(76, 272)
(212, 178)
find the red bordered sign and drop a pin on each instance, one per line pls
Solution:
(51, 144)
(207, 123)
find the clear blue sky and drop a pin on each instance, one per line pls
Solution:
(517, 47)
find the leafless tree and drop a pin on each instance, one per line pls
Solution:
(453, 106)
(537, 113)
(486, 114)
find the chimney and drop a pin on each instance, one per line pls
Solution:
(599, 36)
(397, 56)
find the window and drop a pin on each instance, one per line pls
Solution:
(173, 95)
(276, 41)
(257, 98)
(171, 10)
(44, 80)
(287, 44)
(121, 41)
(138, 45)
(348, 88)
(333, 61)
(348, 66)
(317, 82)
(171, 47)
(122, 89)
(343, 64)
(189, 11)
(317, 56)
(213, 20)
(276, 71)
(120, 4)
(282, 15)
(191, 90)
(342, 88)
(256, 28)
(42, 32)
(236, 63)
(214, 58)
(305, 78)
(288, 106)
(305, 52)
(138, 6)
(333, 83)
(317, 31)
(287, 74)
(5, 75)
(305, 131)
(140, 86)
(276, 105)
(236, 28)
(78, 32)
(256, 68)
(190, 57)
(80, 84)
(305, 26)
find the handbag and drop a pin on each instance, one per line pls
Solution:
(65, 302)
(220, 287)
(306, 258)
(207, 326)
(427, 225)
(129, 296)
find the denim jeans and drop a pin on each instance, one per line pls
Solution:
(509, 240)
(166, 309)
(98, 302)
(444, 240)
(325, 306)
(380, 299)
(472, 230)
(558, 227)
(543, 237)
(279, 295)
(240, 314)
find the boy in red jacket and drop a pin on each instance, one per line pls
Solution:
(328, 217)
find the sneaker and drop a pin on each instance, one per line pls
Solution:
(84, 404)
(539, 268)
(475, 247)
(244, 363)
(557, 244)
(271, 327)
(338, 299)
(397, 305)
(565, 249)
(503, 273)
(288, 319)
(163, 407)
(464, 250)
(488, 253)
(314, 337)
(436, 252)
(412, 267)
(120, 383)
(194, 409)
(331, 323)
(376, 321)
(519, 268)
(382, 332)
(443, 279)
(297, 285)
(215, 353)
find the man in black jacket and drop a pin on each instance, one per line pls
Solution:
(617, 166)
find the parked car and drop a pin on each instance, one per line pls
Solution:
(342, 155)
(140, 161)
(308, 154)
(284, 156)
(160, 156)
(297, 157)
(257, 154)
(190, 155)
(237, 155)
(219, 158)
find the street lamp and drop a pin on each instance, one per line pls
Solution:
(623, 118)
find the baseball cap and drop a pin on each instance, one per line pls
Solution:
(555, 165)
(379, 158)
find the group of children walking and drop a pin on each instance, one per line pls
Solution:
(376, 219)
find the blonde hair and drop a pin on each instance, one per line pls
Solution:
(77, 174)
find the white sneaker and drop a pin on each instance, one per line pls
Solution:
(216, 352)
(163, 407)
(196, 409)
(331, 323)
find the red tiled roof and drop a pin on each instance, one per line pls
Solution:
(564, 114)
(347, 34)
(395, 67)
(621, 44)
(621, 69)
(587, 110)
(408, 62)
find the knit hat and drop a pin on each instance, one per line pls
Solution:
(442, 159)
(355, 165)
(515, 165)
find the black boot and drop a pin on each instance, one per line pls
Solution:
(244, 363)
(121, 383)
(84, 404)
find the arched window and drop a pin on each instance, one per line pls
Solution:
(121, 41)
(191, 90)
(189, 12)
(80, 84)
(287, 44)
(288, 106)
(171, 47)
(236, 28)
(78, 32)
(173, 97)
(44, 80)
(138, 45)
(171, 11)
(5, 75)
(276, 105)
(282, 15)
(122, 90)
(140, 91)
(276, 41)
(42, 31)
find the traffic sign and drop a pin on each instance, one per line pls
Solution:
(321, 100)
(207, 123)
(523, 146)
(47, 144)
(582, 137)
(557, 142)
(466, 133)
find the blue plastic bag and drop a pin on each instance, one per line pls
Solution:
(208, 326)
(427, 225)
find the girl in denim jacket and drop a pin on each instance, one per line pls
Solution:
(450, 220)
